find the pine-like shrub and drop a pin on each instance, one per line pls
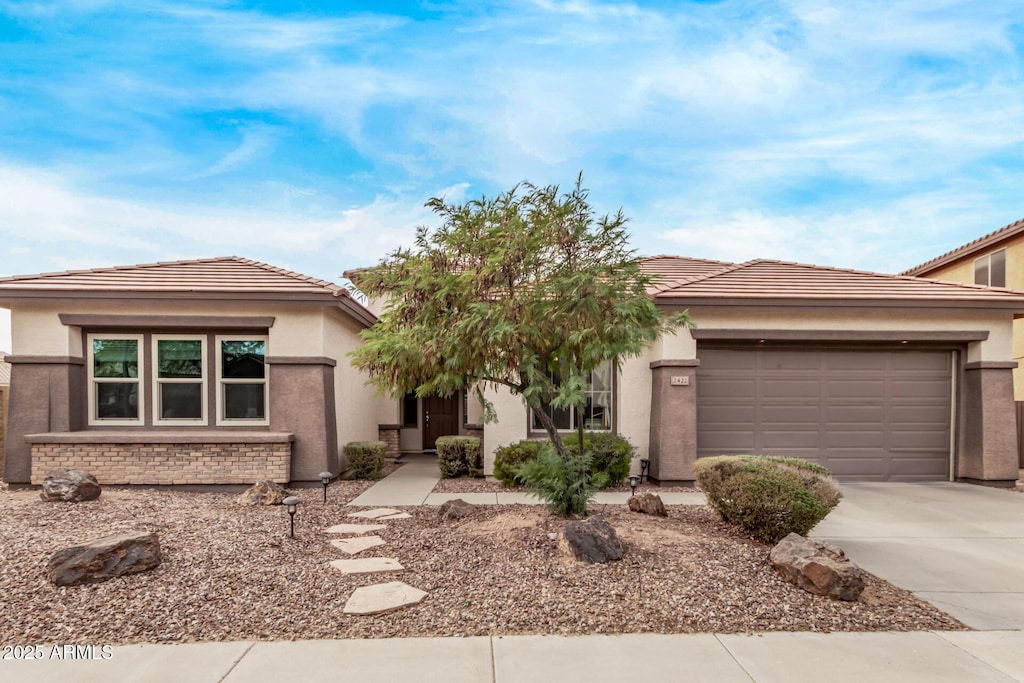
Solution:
(366, 458)
(508, 459)
(566, 485)
(769, 497)
(458, 455)
(609, 453)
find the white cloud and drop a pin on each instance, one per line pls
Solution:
(256, 140)
(50, 216)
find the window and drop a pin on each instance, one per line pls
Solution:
(115, 379)
(179, 380)
(410, 410)
(241, 380)
(596, 413)
(990, 269)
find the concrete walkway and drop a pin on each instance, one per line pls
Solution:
(958, 546)
(926, 657)
(413, 483)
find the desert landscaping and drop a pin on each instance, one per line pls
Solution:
(231, 572)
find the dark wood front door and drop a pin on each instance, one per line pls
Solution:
(440, 418)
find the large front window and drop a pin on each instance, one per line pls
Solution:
(189, 379)
(596, 412)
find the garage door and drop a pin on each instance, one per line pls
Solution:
(864, 414)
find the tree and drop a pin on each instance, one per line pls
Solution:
(527, 290)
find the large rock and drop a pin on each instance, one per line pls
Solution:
(818, 568)
(73, 486)
(105, 558)
(648, 504)
(591, 540)
(263, 492)
(455, 509)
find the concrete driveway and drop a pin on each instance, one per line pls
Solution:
(958, 546)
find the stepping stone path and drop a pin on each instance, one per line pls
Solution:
(381, 597)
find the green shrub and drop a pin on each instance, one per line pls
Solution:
(366, 458)
(768, 496)
(458, 455)
(508, 459)
(566, 485)
(609, 453)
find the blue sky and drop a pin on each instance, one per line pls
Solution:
(870, 135)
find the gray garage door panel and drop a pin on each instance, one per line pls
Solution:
(864, 414)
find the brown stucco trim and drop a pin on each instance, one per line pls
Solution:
(932, 305)
(991, 365)
(160, 437)
(46, 360)
(357, 312)
(945, 336)
(675, 363)
(300, 360)
(206, 322)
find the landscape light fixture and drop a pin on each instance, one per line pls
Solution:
(645, 469)
(634, 479)
(325, 479)
(292, 504)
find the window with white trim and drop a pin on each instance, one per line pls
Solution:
(241, 380)
(115, 375)
(990, 270)
(596, 412)
(179, 379)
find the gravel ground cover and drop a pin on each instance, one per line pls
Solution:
(232, 573)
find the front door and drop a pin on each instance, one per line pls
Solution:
(440, 418)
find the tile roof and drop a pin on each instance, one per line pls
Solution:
(763, 280)
(664, 268)
(972, 247)
(226, 274)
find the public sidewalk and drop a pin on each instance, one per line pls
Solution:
(925, 657)
(412, 483)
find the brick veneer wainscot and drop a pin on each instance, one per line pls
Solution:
(167, 463)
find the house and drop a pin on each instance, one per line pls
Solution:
(227, 370)
(877, 377)
(995, 260)
(213, 371)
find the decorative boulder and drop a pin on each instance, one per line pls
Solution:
(818, 568)
(72, 486)
(263, 492)
(591, 540)
(455, 509)
(105, 558)
(648, 504)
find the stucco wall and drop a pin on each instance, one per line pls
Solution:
(963, 271)
(359, 409)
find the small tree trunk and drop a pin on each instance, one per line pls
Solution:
(549, 427)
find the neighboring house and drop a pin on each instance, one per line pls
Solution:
(995, 260)
(215, 371)
(877, 377)
(208, 371)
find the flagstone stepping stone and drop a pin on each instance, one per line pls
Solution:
(354, 528)
(383, 597)
(367, 565)
(375, 513)
(357, 544)
(400, 515)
